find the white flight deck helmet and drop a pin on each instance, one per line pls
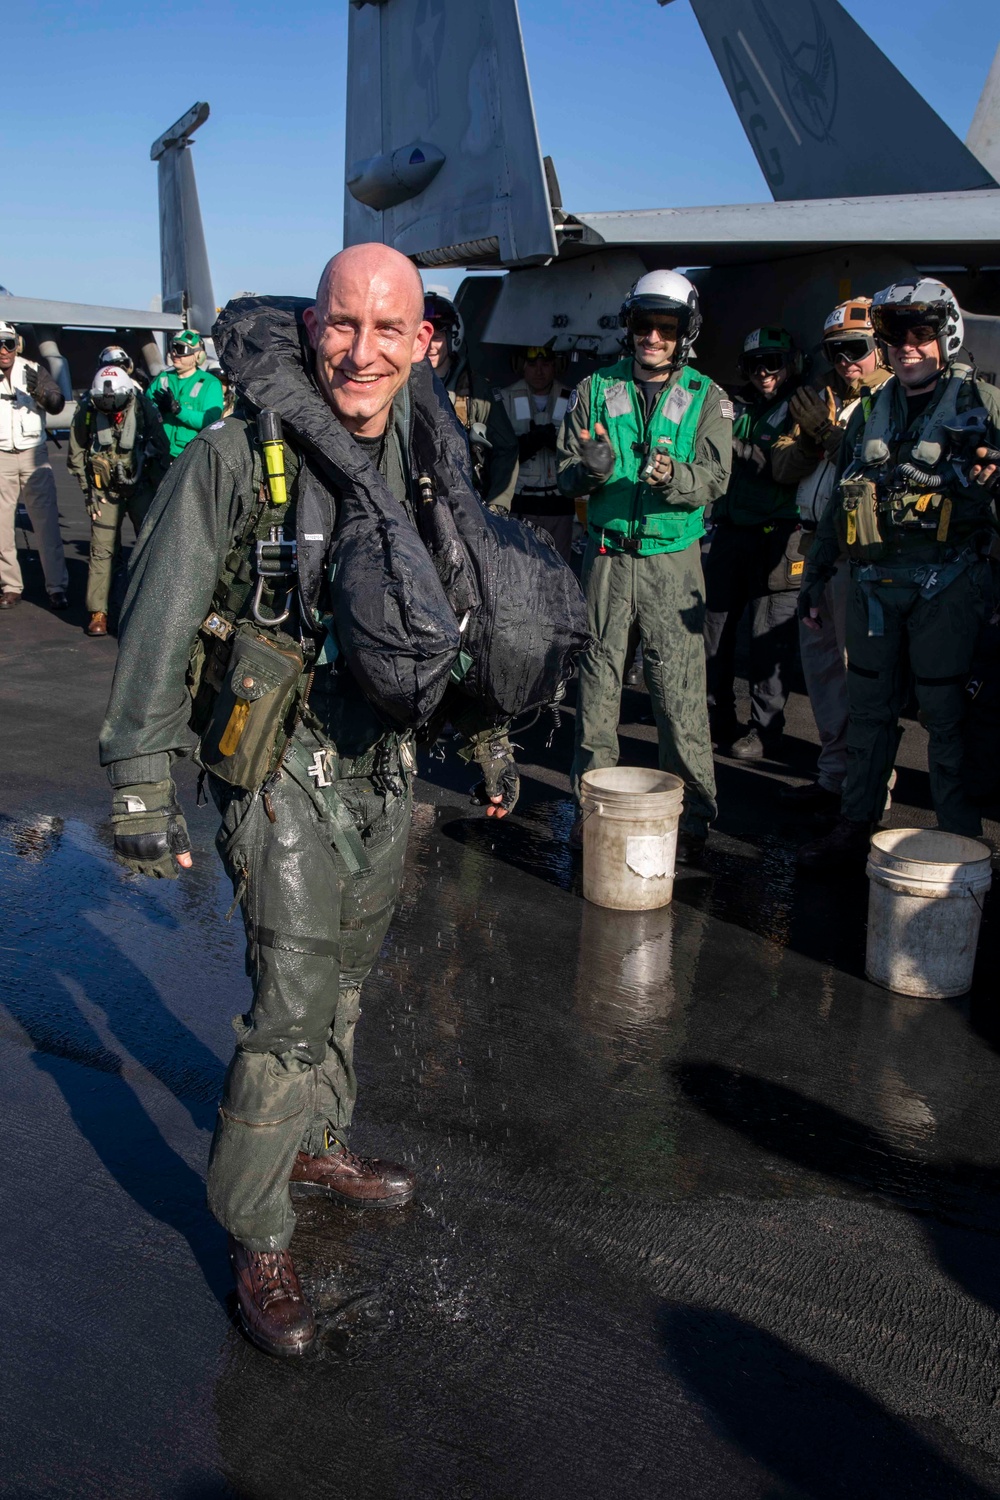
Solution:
(114, 354)
(8, 331)
(111, 389)
(666, 292)
(916, 302)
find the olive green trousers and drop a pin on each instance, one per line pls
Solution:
(314, 929)
(664, 594)
(106, 545)
(934, 639)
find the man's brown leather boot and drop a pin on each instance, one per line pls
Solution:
(273, 1311)
(98, 624)
(341, 1174)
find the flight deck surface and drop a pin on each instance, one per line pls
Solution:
(701, 1213)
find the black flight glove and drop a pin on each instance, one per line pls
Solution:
(493, 753)
(30, 379)
(149, 828)
(167, 402)
(535, 439)
(597, 454)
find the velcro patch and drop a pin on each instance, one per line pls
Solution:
(727, 409)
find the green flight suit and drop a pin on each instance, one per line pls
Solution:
(918, 607)
(315, 915)
(643, 565)
(201, 399)
(117, 481)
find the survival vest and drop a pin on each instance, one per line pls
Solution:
(815, 491)
(754, 497)
(536, 475)
(625, 514)
(903, 484)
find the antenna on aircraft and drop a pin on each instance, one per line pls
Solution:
(185, 278)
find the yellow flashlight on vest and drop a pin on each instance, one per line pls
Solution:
(269, 432)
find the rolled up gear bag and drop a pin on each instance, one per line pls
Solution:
(526, 623)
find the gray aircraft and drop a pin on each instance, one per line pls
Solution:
(70, 335)
(444, 162)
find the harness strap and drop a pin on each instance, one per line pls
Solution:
(930, 578)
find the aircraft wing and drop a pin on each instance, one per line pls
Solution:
(824, 109)
(44, 313)
(929, 227)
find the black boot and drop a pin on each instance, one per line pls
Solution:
(811, 798)
(845, 847)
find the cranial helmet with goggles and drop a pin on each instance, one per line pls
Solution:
(10, 338)
(443, 313)
(770, 349)
(848, 335)
(923, 306)
(663, 292)
(188, 341)
(114, 354)
(111, 389)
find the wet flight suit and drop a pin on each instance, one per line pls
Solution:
(118, 459)
(316, 867)
(643, 565)
(754, 559)
(920, 588)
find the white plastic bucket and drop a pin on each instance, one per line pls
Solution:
(630, 818)
(925, 903)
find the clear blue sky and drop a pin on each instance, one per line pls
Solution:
(91, 85)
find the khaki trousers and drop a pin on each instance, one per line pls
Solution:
(27, 476)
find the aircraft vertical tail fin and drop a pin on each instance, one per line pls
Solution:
(185, 278)
(443, 160)
(983, 139)
(827, 114)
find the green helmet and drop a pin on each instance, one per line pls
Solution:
(188, 341)
(773, 347)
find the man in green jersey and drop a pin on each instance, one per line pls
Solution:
(189, 396)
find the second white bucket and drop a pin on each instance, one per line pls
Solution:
(925, 904)
(630, 818)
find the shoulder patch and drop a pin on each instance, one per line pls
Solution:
(215, 426)
(573, 401)
(727, 409)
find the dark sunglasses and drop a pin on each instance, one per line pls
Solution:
(893, 324)
(851, 350)
(641, 327)
(8, 343)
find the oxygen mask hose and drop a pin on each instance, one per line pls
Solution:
(269, 432)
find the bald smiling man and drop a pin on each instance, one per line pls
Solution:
(313, 791)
